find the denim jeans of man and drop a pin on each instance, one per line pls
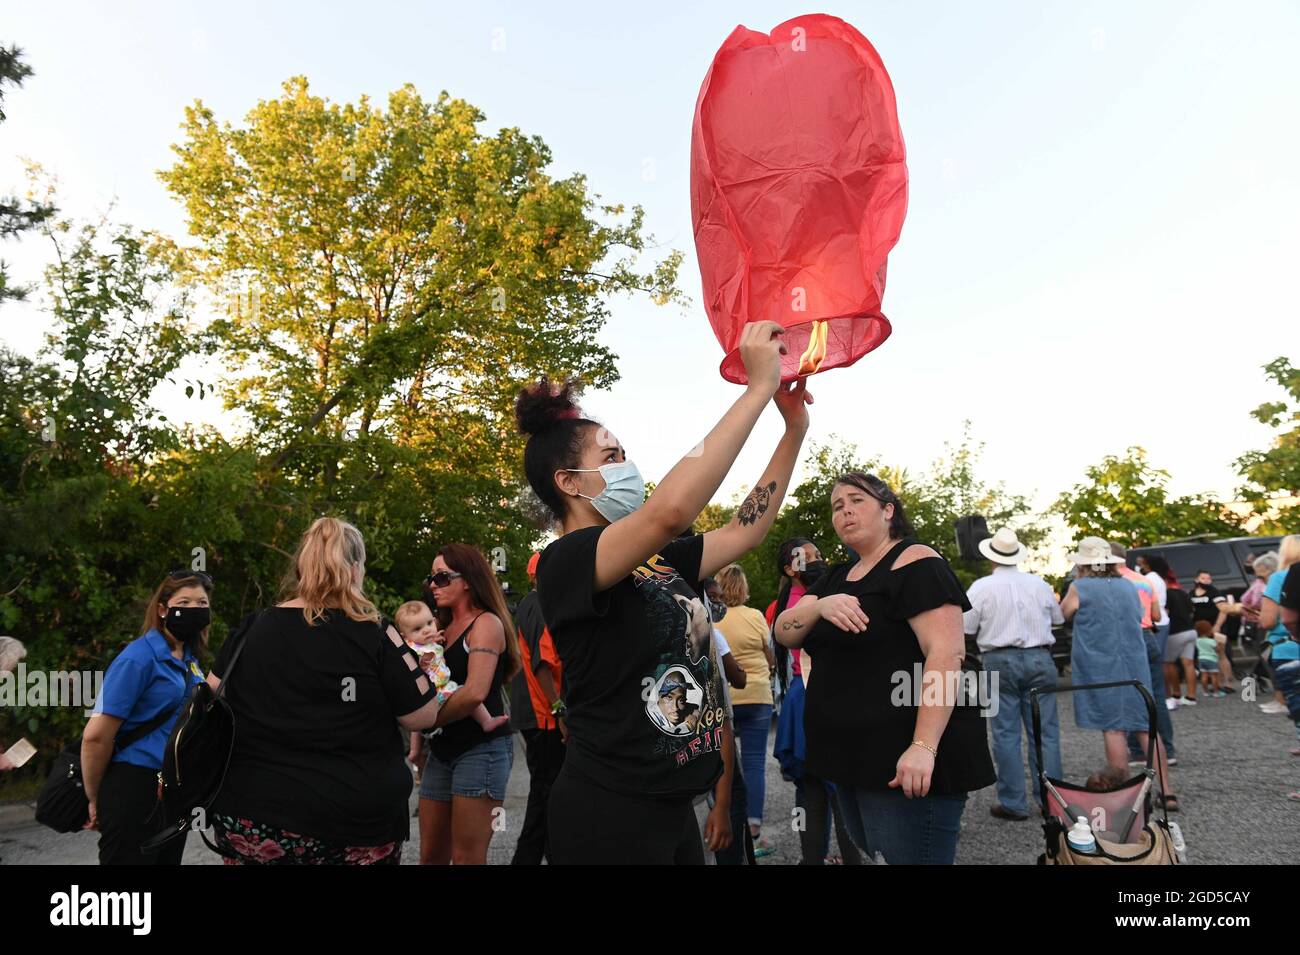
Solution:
(922, 830)
(1164, 725)
(753, 723)
(1018, 672)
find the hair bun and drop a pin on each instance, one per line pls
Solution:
(542, 404)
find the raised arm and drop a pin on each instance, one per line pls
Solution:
(693, 481)
(758, 511)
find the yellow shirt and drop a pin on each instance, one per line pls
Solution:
(746, 633)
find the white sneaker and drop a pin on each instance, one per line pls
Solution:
(1184, 701)
(1171, 703)
(1273, 707)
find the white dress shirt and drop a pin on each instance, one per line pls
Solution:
(1011, 609)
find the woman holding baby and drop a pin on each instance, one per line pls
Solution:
(470, 750)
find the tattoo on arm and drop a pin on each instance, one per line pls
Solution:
(756, 504)
(792, 625)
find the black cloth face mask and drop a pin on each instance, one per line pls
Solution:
(187, 624)
(813, 573)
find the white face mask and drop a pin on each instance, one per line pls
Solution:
(624, 490)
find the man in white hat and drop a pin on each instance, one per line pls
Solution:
(1011, 618)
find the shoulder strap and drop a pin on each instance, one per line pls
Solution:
(240, 632)
(144, 729)
(470, 626)
(122, 741)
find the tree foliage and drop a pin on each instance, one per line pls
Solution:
(934, 498)
(16, 216)
(1125, 499)
(385, 281)
(1278, 467)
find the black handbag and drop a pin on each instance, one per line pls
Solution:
(62, 804)
(198, 755)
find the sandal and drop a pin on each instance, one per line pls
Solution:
(1168, 802)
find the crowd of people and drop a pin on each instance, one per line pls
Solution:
(644, 685)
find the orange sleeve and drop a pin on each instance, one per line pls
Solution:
(546, 647)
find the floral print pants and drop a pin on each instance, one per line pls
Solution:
(255, 843)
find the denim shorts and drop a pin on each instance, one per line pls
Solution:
(481, 771)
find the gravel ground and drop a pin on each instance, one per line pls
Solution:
(1232, 779)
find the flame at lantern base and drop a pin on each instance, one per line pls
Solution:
(813, 356)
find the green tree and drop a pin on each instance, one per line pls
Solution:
(934, 499)
(16, 216)
(1278, 468)
(1126, 500)
(79, 541)
(396, 269)
(950, 489)
(391, 278)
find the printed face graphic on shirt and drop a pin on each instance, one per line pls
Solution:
(683, 700)
(674, 704)
(699, 628)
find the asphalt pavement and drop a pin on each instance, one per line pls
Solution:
(1233, 777)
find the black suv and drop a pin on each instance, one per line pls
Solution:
(1225, 560)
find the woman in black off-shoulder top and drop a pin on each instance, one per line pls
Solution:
(891, 717)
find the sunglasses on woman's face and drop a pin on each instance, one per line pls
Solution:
(442, 578)
(184, 573)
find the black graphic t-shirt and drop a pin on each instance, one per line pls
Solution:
(1207, 603)
(644, 698)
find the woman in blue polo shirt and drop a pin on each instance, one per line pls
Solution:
(153, 676)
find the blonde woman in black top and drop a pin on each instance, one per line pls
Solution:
(318, 771)
(886, 718)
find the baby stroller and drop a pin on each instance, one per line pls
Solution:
(1120, 817)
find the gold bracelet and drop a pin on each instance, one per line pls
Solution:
(924, 745)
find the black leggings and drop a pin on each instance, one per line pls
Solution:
(590, 825)
(128, 798)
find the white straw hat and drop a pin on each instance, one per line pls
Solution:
(1004, 548)
(1093, 551)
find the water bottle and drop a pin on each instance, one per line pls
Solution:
(1080, 837)
(1180, 844)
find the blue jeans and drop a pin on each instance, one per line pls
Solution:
(753, 722)
(1286, 677)
(1020, 671)
(920, 831)
(1164, 725)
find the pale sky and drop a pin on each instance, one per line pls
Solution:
(1103, 197)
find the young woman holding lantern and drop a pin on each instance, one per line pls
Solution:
(618, 593)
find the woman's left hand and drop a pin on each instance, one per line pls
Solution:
(792, 400)
(913, 772)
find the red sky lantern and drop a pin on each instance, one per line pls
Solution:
(798, 191)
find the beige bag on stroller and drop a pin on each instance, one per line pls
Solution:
(1121, 820)
(1155, 847)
